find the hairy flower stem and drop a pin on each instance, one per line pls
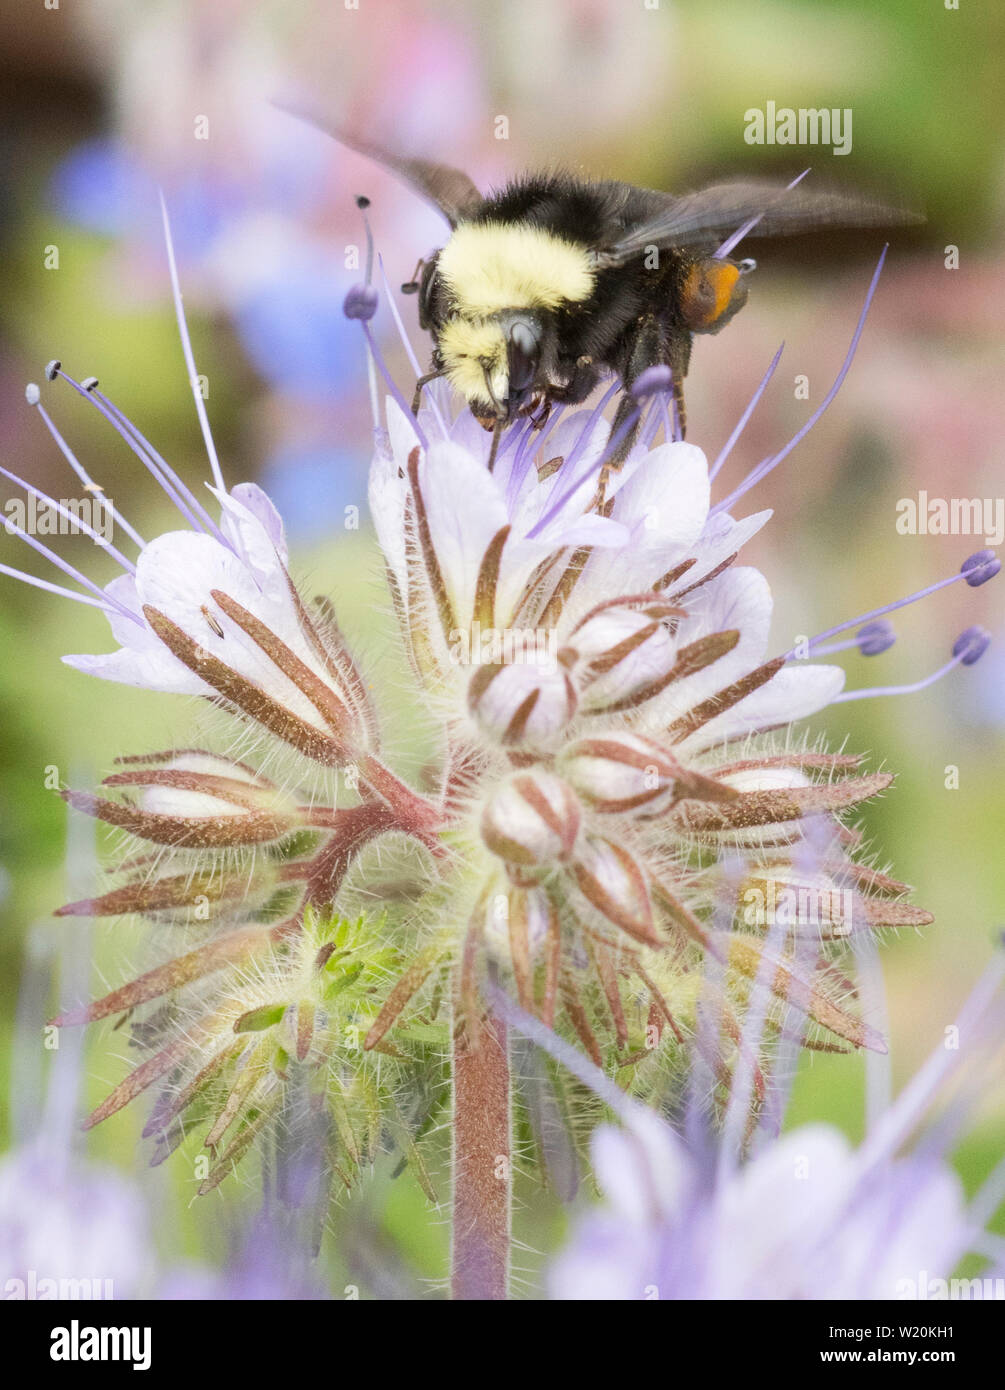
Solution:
(356, 828)
(415, 815)
(482, 1163)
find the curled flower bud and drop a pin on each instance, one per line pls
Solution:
(519, 924)
(522, 911)
(196, 799)
(810, 904)
(615, 886)
(533, 818)
(526, 705)
(628, 772)
(619, 651)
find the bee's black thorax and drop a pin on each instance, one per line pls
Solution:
(590, 214)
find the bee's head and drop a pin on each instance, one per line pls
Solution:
(713, 290)
(494, 361)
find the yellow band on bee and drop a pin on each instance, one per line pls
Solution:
(488, 267)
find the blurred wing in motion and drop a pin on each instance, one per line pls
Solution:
(449, 190)
(712, 213)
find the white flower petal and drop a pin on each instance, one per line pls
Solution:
(774, 1211)
(643, 1170)
(387, 493)
(464, 510)
(262, 507)
(146, 670)
(794, 693)
(251, 538)
(720, 538)
(664, 499)
(738, 599)
(401, 432)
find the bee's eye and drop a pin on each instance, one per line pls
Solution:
(522, 351)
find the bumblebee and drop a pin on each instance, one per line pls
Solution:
(548, 285)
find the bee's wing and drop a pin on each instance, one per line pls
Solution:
(448, 189)
(711, 213)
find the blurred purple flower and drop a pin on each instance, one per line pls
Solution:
(65, 1224)
(296, 335)
(311, 486)
(101, 187)
(267, 1265)
(808, 1215)
(69, 1228)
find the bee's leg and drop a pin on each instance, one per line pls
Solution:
(627, 428)
(624, 425)
(679, 359)
(655, 345)
(651, 346)
(680, 409)
(420, 386)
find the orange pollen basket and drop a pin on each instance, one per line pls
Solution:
(722, 278)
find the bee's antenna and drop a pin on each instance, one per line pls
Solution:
(412, 286)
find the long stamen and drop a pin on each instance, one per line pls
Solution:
(520, 457)
(554, 508)
(968, 648)
(360, 303)
(186, 345)
(649, 429)
(32, 397)
(406, 344)
(741, 424)
(663, 416)
(773, 460)
(511, 437)
(69, 516)
(73, 573)
(649, 384)
(586, 434)
(525, 455)
(976, 569)
(870, 640)
(391, 384)
(581, 444)
(752, 222)
(137, 438)
(51, 588)
(162, 473)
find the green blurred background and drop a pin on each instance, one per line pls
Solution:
(656, 95)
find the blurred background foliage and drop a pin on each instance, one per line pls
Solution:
(100, 103)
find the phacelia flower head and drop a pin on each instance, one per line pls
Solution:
(613, 778)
